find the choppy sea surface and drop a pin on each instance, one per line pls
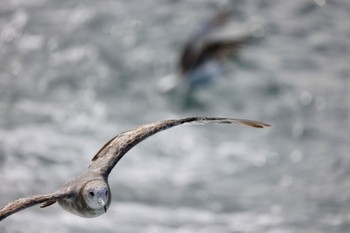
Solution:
(73, 74)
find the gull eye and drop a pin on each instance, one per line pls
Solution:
(106, 192)
(92, 194)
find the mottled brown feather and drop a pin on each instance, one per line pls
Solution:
(26, 202)
(105, 160)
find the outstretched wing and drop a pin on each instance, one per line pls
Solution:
(23, 203)
(109, 155)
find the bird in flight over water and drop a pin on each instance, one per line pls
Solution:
(199, 61)
(88, 195)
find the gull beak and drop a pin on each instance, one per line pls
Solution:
(103, 204)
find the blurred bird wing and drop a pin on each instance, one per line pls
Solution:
(191, 51)
(217, 21)
(109, 155)
(23, 203)
(220, 49)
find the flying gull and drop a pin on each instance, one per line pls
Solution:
(88, 195)
(199, 61)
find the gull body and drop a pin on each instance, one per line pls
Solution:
(92, 195)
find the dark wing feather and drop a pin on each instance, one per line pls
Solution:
(104, 161)
(193, 48)
(23, 203)
(220, 49)
(188, 58)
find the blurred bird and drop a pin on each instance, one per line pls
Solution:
(88, 195)
(200, 60)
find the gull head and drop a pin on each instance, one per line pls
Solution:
(96, 194)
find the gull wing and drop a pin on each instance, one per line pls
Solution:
(191, 51)
(23, 203)
(214, 23)
(109, 155)
(220, 49)
(192, 57)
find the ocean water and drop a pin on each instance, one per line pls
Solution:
(73, 74)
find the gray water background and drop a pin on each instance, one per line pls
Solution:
(75, 73)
